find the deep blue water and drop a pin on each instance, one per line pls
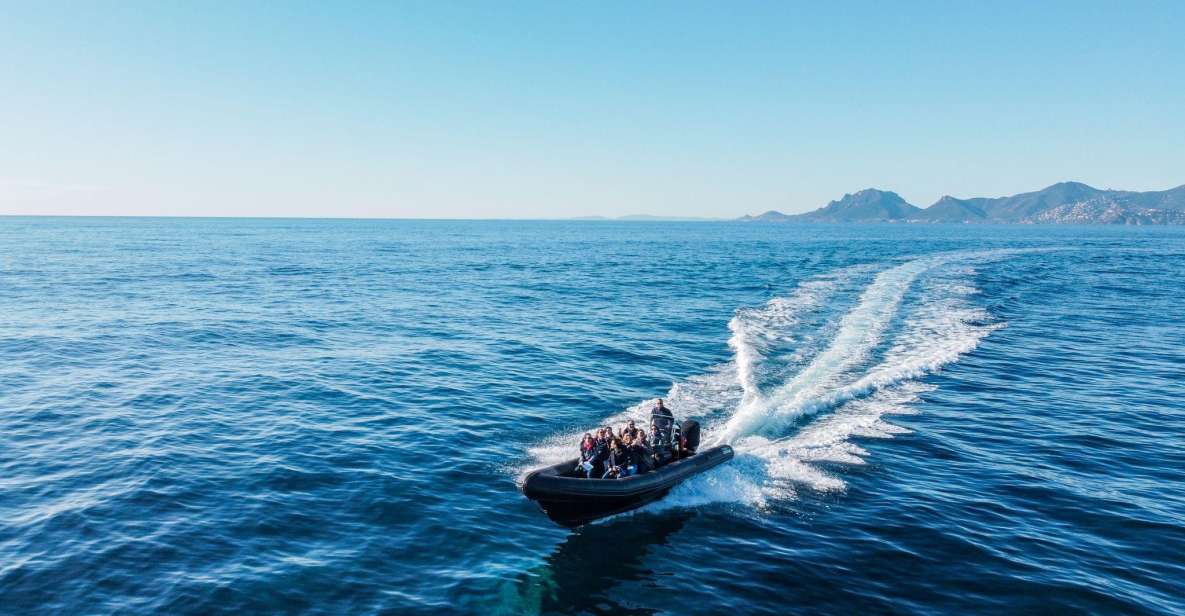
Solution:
(249, 416)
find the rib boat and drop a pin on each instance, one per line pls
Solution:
(569, 499)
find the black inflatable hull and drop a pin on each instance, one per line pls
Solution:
(572, 501)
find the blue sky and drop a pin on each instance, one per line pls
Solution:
(479, 110)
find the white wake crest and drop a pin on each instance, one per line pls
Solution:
(771, 464)
(755, 330)
(859, 332)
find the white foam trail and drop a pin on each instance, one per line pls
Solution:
(941, 328)
(745, 355)
(829, 438)
(859, 332)
(755, 329)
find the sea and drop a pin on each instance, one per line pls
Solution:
(263, 416)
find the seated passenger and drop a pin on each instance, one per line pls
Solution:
(588, 453)
(602, 453)
(630, 430)
(629, 453)
(640, 453)
(632, 465)
(615, 462)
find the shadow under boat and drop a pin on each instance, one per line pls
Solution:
(580, 575)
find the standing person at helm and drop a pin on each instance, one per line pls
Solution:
(663, 421)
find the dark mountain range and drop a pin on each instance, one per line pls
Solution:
(868, 205)
(950, 209)
(1065, 202)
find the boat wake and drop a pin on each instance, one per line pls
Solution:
(813, 370)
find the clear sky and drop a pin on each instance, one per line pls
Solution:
(557, 109)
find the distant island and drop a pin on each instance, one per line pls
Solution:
(1062, 203)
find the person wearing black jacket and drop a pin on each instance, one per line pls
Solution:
(640, 454)
(616, 460)
(600, 454)
(663, 421)
(630, 430)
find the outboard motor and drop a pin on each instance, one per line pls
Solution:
(690, 429)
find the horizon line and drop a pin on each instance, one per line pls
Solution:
(626, 218)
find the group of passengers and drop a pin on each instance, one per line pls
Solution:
(610, 454)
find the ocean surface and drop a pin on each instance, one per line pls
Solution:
(207, 416)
